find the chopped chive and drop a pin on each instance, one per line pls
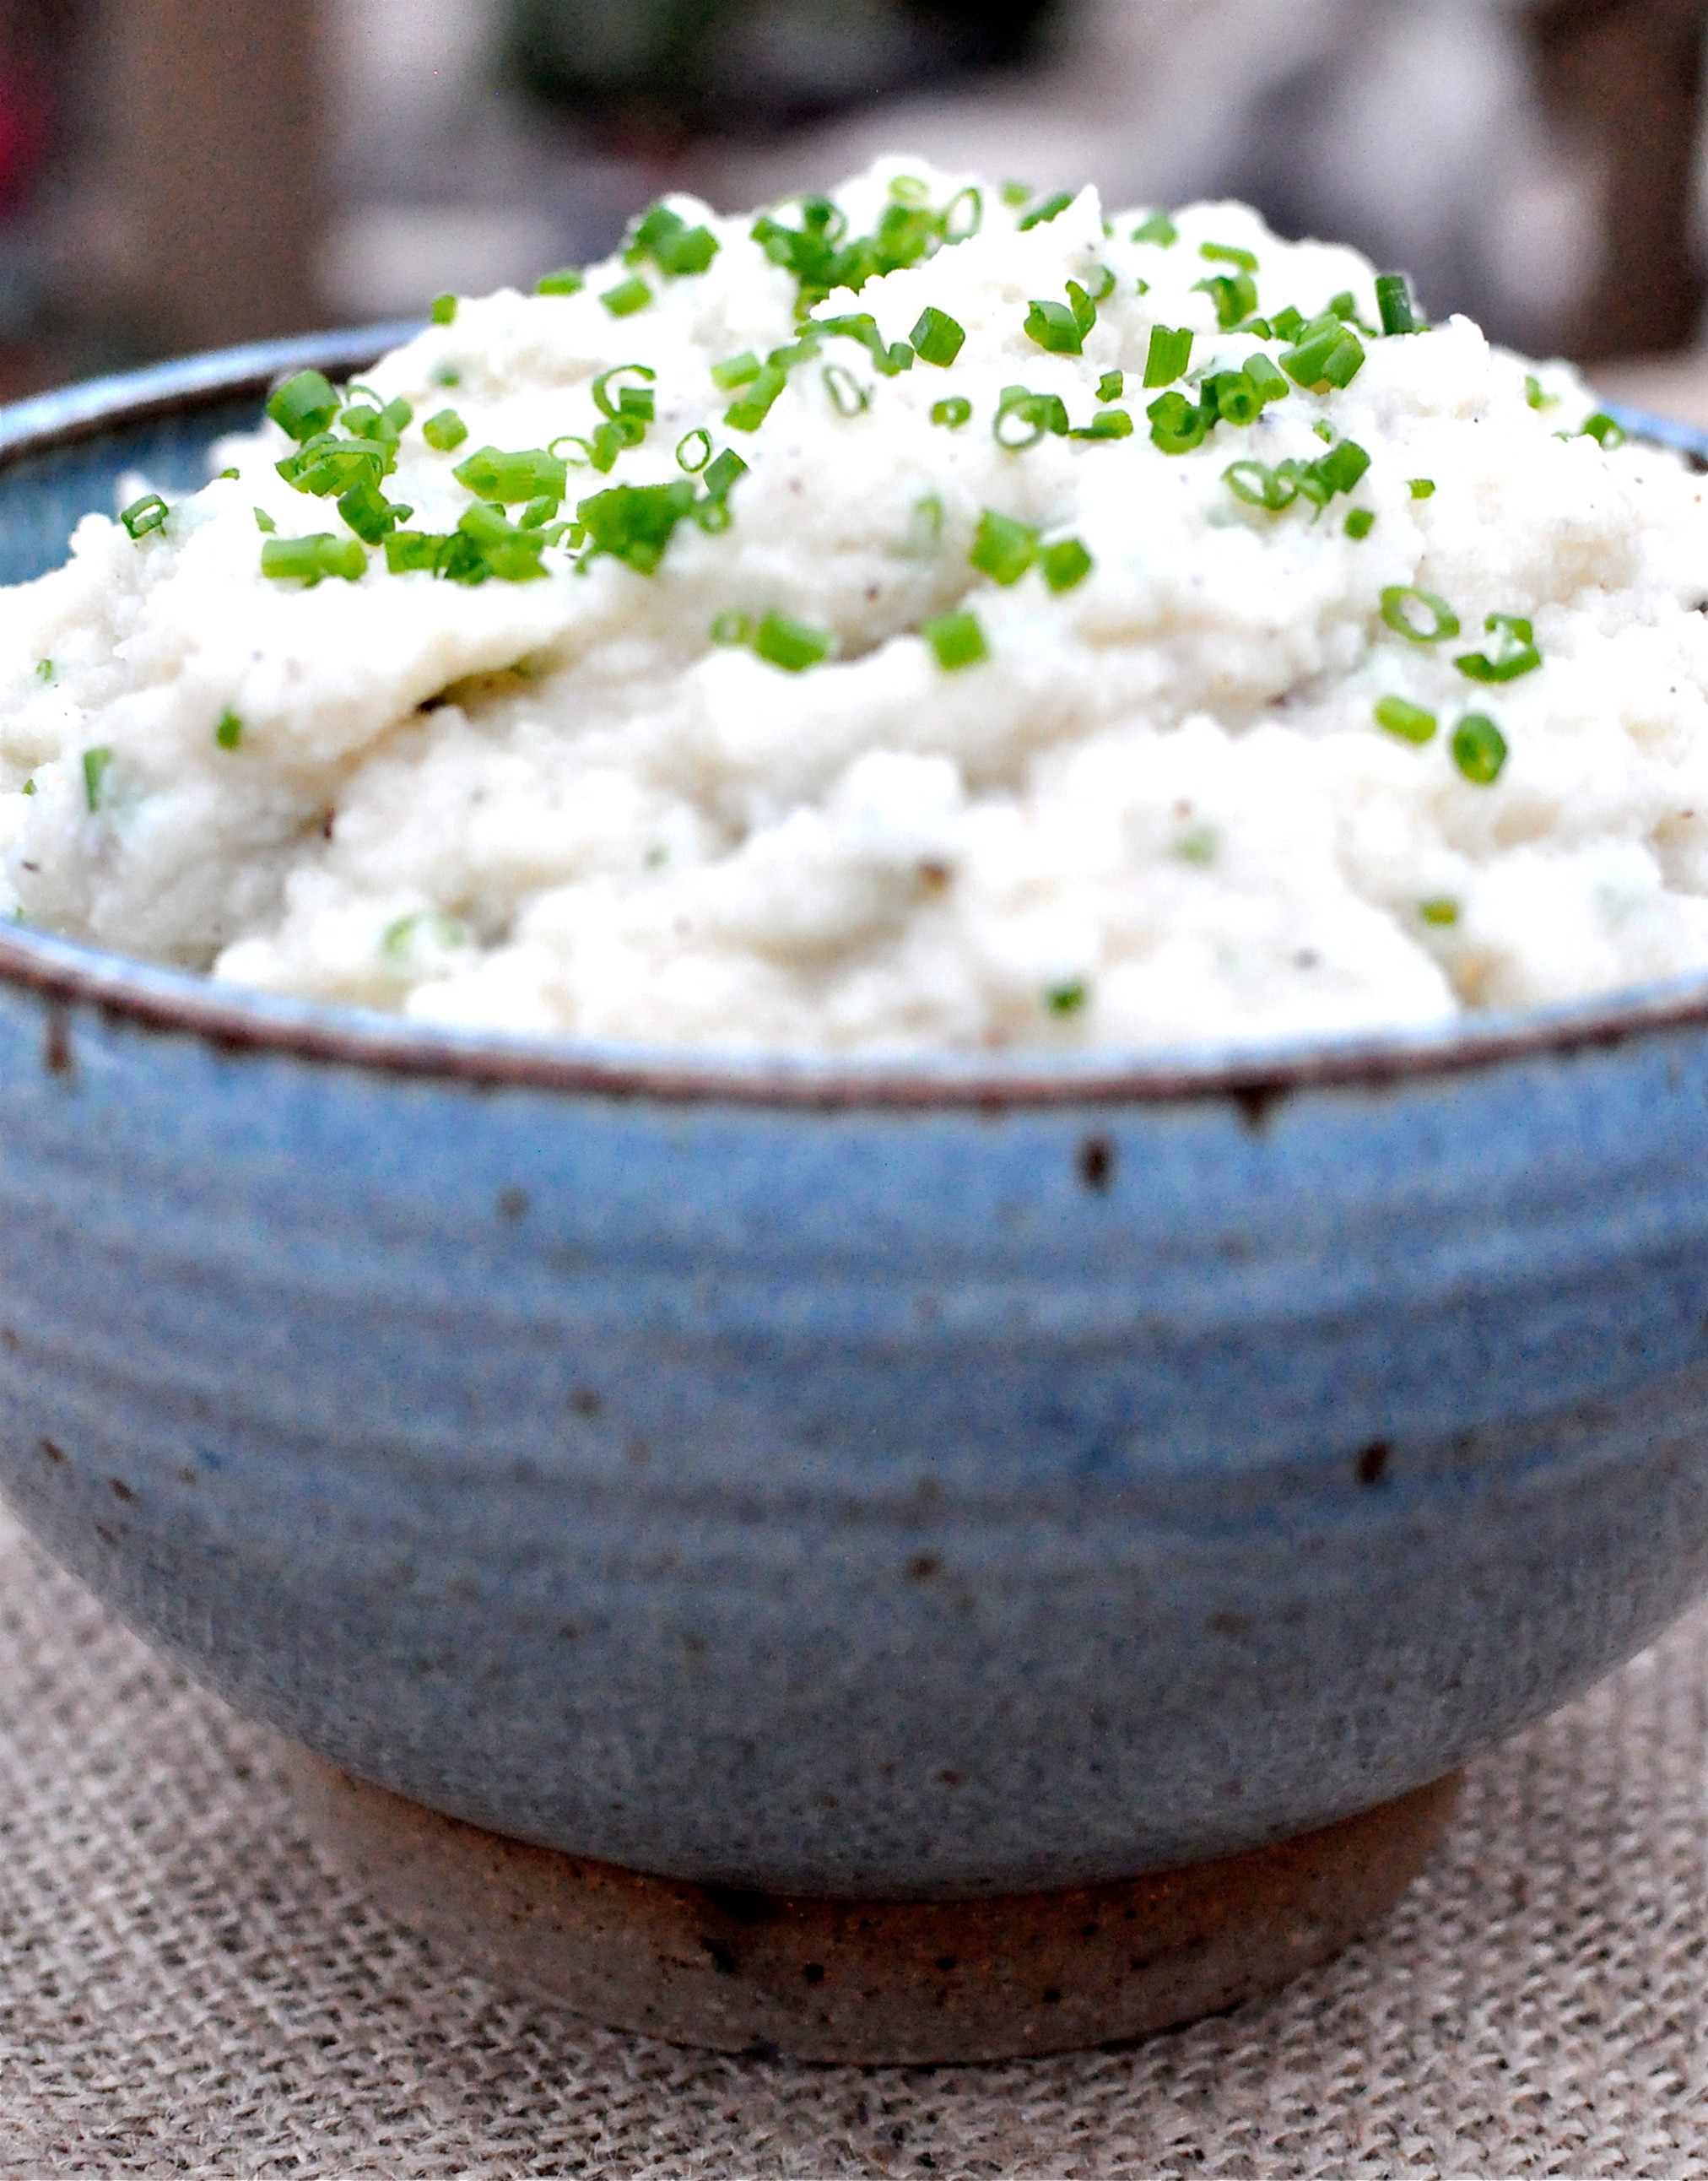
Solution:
(94, 765)
(229, 731)
(1158, 229)
(847, 395)
(1233, 293)
(1036, 414)
(1270, 383)
(957, 639)
(1401, 717)
(1419, 615)
(303, 405)
(1441, 910)
(264, 522)
(407, 550)
(736, 371)
(1170, 351)
(694, 450)
(1054, 327)
(731, 628)
(1065, 564)
(1112, 386)
(444, 430)
(1050, 209)
(1067, 999)
(565, 281)
(1323, 429)
(1260, 486)
(1360, 522)
(44, 669)
(1176, 425)
(952, 412)
(28, 786)
(538, 513)
(1225, 253)
(1003, 548)
(443, 310)
(1106, 424)
(224, 474)
(936, 337)
(675, 247)
(959, 225)
(1479, 748)
(1015, 194)
(1516, 654)
(1394, 305)
(1606, 431)
(635, 523)
(369, 513)
(1327, 355)
(307, 559)
(1421, 488)
(749, 412)
(490, 474)
(723, 473)
(144, 515)
(793, 645)
(627, 297)
(635, 402)
(1231, 398)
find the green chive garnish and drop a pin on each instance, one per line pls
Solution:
(1327, 355)
(1054, 327)
(635, 523)
(675, 247)
(444, 430)
(793, 645)
(627, 297)
(1002, 547)
(1479, 748)
(303, 405)
(1067, 999)
(1516, 654)
(443, 310)
(44, 669)
(736, 371)
(144, 515)
(1015, 194)
(1170, 351)
(1112, 386)
(565, 281)
(1394, 303)
(1065, 564)
(936, 337)
(1360, 522)
(957, 639)
(1419, 615)
(1176, 425)
(264, 522)
(953, 412)
(1048, 210)
(694, 450)
(94, 765)
(307, 559)
(750, 410)
(229, 731)
(492, 474)
(731, 627)
(1409, 721)
(1107, 424)
(1225, 253)
(1034, 414)
(1441, 910)
(1421, 487)
(847, 395)
(1158, 229)
(1606, 431)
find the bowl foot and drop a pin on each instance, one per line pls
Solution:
(874, 1981)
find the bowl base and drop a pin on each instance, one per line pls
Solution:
(873, 1981)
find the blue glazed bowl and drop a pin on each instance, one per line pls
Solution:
(944, 1479)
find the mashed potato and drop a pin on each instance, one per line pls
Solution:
(1075, 631)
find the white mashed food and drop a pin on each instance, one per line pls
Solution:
(1353, 684)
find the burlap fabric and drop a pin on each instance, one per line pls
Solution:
(186, 1989)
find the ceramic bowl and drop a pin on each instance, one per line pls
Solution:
(923, 1481)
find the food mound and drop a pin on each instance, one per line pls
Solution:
(918, 617)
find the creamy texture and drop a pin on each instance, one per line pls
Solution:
(1160, 809)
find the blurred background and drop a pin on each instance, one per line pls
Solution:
(181, 173)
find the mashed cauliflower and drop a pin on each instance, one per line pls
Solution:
(913, 620)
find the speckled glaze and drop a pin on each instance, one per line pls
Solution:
(961, 1479)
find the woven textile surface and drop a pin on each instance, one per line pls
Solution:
(185, 1989)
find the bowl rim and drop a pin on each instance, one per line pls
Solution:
(1255, 1075)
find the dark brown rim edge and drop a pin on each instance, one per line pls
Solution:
(66, 975)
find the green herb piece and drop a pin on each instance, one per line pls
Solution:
(307, 559)
(952, 412)
(224, 474)
(446, 374)
(1421, 487)
(1065, 564)
(94, 765)
(1401, 717)
(1112, 386)
(1342, 467)
(1537, 394)
(1360, 522)
(957, 639)
(1107, 424)
(44, 669)
(1233, 293)
(229, 731)
(694, 450)
(1606, 431)
(1067, 999)
(538, 513)
(793, 645)
(1441, 910)
(144, 515)
(1394, 306)
(368, 512)
(1480, 749)
(1516, 654)
(1051, 207)
(1169, 352)
(720, 474)
(1286, 325)
(1176, 425)
(1271, 385)
(1158, 229)
(736, 371)
(731, 628)
(408, 550)
(303, 405)
(1260, 486)
(1003, 548)
(326, 464)
(264, 522)
(444, 430)
(1326, 354)
(28, 788)
(888, 358)
(1418, 615)
(1022, 418)
(847, 395)
(443, 310)
(750, 411)
(673, 246)
(964, 214)
(1054, 327)
(565, 281)
(627, 297)
(936, 337)
(1225, 253)
(635, 403)
(635, 523)
(1015, 194)
(492, 474)
(1231, 398)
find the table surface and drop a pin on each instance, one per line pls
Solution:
(185, 1989)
